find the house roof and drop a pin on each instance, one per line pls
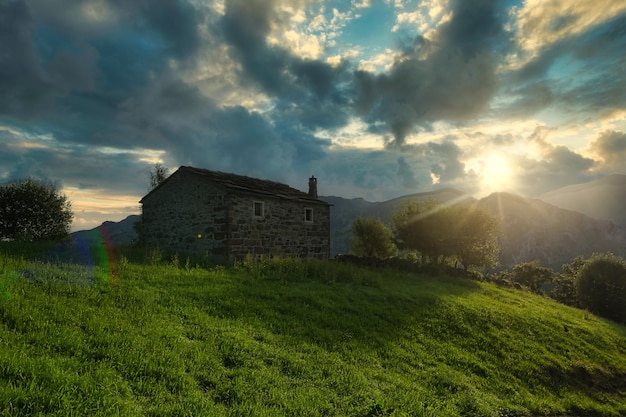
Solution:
(244, 184)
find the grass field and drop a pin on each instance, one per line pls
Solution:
(285, 337)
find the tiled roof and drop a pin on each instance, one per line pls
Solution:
(242, 183)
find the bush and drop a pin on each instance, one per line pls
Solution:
(532, 275)
(372, 239)
(564, 290)
(601, 286)
(33, 210)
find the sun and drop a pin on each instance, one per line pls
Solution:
(496, 172)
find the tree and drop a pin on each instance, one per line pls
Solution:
(532, 275)
(601, 286)
(33, 210)
(465, 232)
(564, 290)
(157, 175)
(372, 238)
(474, 236)
(417, 227)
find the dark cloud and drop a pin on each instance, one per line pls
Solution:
(24, 87)
(610, 147)
(406, 174)
(175, 24)
(451, 78)
(69, 78)
(178, 118)
(90, 88)
(576, 73)
(125, 173)
(529, 99)
(307, 91)
(446, 163)
(558, 166)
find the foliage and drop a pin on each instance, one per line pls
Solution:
(157, 175)
(417, 227)
(467, 233)
(372, 238)
(275, 336)
(532, 275)
(564, 290)
(475, 234)
(33, 210)
(601, 285)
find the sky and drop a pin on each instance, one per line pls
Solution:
(376, 98)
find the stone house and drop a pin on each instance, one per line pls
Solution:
(228, 216)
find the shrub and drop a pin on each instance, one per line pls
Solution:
(532, 276)
(601, 286)
(372, 239)
(564, 290)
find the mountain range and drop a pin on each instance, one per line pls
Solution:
(552, 229)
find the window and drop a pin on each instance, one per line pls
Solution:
(257, 209)
(308, 215)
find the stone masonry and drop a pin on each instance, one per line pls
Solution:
(211, 213)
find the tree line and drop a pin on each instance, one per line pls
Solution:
(432, 234)
(464, 234)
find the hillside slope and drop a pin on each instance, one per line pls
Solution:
(293, 338)
(533, 230)
(604, 198)
(115, 233)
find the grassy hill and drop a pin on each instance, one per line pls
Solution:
(293, 338)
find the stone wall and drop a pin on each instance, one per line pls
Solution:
(189, 214)
(281, 231)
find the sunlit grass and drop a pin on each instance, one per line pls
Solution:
(287, 337)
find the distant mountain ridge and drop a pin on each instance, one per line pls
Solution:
(532, 229)
(114, 233)
(345, 211)
(604, 198)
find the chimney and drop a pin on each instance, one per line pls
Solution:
(313, 187)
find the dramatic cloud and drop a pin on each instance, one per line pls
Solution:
(451, 77)
(308, 91)
(375, 98)
(24, 87)
(610, 147)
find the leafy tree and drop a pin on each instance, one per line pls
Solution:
(601, 286)
(473, 236)
(532, 275)
(465, 232)
(157, 175)
(372, 238)
(571, 269)
(417, 227)
(33, 210)
(564, 290)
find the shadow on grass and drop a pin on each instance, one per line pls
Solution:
(333, 305)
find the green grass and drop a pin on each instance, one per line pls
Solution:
(293, 338)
